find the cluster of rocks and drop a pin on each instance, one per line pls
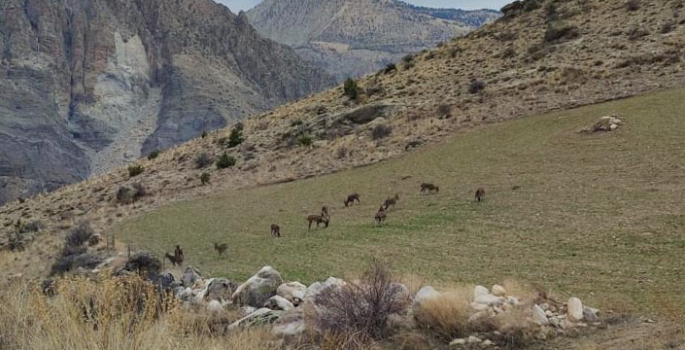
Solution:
(266, 300)
(604, 124)
(544, 316)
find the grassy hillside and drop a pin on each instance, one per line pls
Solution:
(599, 216)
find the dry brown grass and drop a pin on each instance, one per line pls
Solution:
(105, 315)
(450, 316)
(447, 315)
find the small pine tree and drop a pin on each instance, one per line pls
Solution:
(204, 178)
(351, 89)
(153, 155)
(235, 138)
(391, 67)
(135, 170)
(305, 140)
(225, 161)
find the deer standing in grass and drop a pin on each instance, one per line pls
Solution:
(319, 219)
(275, 230)
(381, 215)
(177, 258)
(480, 194)
(429, 187)
(324, 218)
(220, 248)
(391, 202)
(351, 198)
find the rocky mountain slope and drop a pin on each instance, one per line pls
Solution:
(472, 18)
(554, 55)
(350, 38)
(86, 86)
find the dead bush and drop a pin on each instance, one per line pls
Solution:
(632, 5)
(444, 110)
(341, 152)
(129, 195)
(381, 131)
(558, 31)
(79, 234)
(363, 307)
(203, 160)
(74, 253)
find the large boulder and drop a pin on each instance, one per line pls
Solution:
(575, 309)
(190, 276)
(482, 296)
(259, 288)
(293, 292)
(220, 289)
(425, 293)
(539, 315)
(279, 303)
(291, 323)
(317, 287)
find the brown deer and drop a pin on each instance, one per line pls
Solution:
(324, 212)
(391, 201)
(351, 198)
(380, 216)
(177, 258)
(319, 219)
(429, 187)
(220, 248)
(480, 194)
(275, 230)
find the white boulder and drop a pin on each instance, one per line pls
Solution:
(293, 292)
(499, 291)
(575, 309)
(539, 315)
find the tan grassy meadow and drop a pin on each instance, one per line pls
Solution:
(597, 216)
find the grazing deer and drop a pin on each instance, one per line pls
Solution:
(480, 194)
(220, 248)
(380, 216)
(177, 258)
(351, 198)
(429, 187)
(275, 230)
(391, 201)
(318, 219)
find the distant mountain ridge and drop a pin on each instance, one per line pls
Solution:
(473, 18)
(350, 38)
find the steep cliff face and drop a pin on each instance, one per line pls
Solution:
(350, 38)
(86, 85)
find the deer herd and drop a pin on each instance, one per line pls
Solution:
(325, 219)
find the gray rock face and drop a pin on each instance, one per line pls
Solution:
(88, 85)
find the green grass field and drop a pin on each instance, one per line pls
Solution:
(598, 216)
